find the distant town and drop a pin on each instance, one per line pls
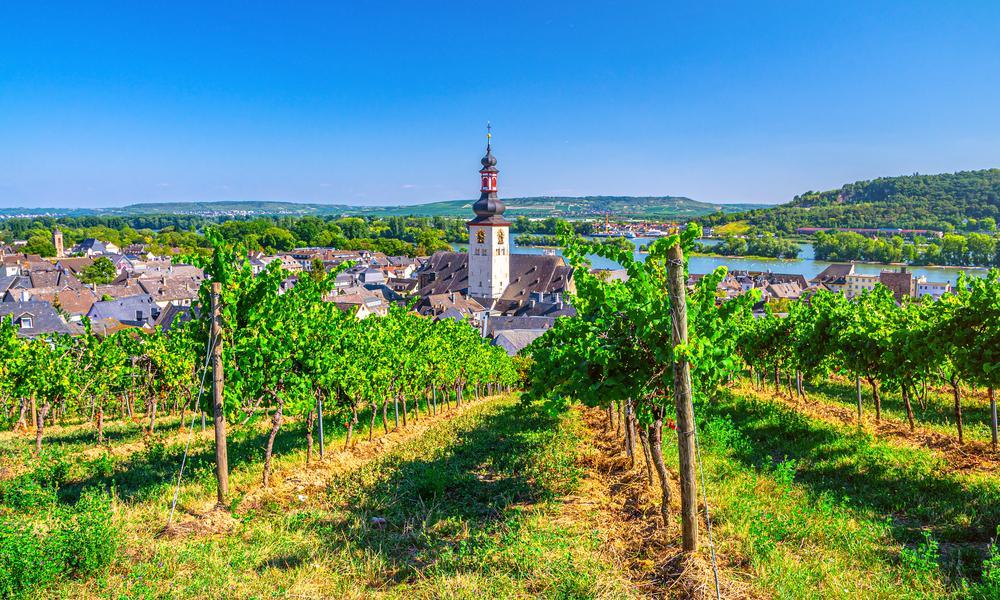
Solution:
(509, 298)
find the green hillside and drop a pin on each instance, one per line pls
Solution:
(653, 207)
(569, 207)
(942, 202)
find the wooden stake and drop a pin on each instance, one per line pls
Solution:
(218, 409)
(993, 417)
(683, 401)
(319, 409)
(857, 391)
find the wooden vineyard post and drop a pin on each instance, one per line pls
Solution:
(857, 391)
(682, 397)
(993, 416)
(319, 409)
(218, 409)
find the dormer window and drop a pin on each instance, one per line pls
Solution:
(25, 322)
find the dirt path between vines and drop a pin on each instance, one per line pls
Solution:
(971, 457)
(649, 553)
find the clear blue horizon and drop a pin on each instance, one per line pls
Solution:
(113, 104)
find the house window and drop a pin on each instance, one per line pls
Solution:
(26, 323)
(138, 315)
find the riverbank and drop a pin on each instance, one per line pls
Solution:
(741, 257)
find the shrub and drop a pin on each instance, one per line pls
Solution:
(54, 469)
(40, 547)
(103, 465)
(25, 562)
(989, 587)
(922, 560)
(26, 493)
(88, 534)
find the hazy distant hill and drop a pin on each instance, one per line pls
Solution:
(555, 206)
(910, 202)
(659, 207)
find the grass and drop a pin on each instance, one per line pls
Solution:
(937, 415)
(467, 506)
(732, 228)
(817, 510)
(480, 504)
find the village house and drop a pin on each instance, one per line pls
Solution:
(361, 305)
(137, 311)
(514, 341)
(22, 264)
(166, 291)
(33, 318)
(94, 247)
(782, 291)
(934, 289)
(403, 286)
(857, 283)
(834, 277)
(123, 289)
(74, 265)
(900, 282)
(73, 303)
(174, 314)
(494, 325)
(454, 304)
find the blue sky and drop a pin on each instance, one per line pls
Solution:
(385, 103)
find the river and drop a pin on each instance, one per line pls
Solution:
(806, 265)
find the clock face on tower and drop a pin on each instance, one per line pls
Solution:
(481, 236)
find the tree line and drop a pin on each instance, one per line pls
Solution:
(408, 236)
(965, 201)
(766, 245)
(395, 236)
(970, 250)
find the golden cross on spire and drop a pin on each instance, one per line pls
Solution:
(489, 131)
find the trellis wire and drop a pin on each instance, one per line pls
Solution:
(210, 347)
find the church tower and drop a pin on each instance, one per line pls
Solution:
(489, 235)
(57, 241)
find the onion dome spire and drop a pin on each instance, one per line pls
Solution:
(489, 160)
(489, 207)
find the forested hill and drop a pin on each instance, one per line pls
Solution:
(651, 207)
(942, 202)
(538, 206)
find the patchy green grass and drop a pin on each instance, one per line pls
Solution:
(473, 506)
(937, 414)
(825, 511)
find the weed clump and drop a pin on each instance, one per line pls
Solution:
(42, 541)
